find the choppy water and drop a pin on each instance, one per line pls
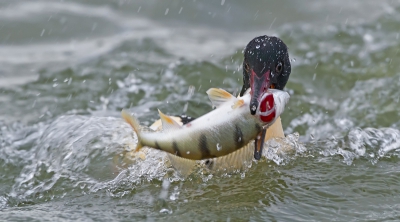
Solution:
(67, 68)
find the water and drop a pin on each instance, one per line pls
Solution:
(67, 68)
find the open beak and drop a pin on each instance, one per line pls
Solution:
(258, 83)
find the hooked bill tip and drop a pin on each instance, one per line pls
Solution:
(253, 108)
(257, 155)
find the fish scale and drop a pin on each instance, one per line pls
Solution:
(220, 132)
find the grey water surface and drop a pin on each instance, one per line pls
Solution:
(68, 67)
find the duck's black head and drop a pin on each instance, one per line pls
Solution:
(266, 65)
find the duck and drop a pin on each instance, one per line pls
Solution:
(266, 64)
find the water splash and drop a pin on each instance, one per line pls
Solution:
(369, 143)
(282, 150)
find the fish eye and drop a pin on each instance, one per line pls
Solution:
(279, 67)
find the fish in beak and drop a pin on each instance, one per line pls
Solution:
(259, 83)
(266, 65)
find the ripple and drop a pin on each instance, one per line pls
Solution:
(69, 68)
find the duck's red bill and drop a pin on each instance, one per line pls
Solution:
(267, 114)
(259, 145)
(259, 83)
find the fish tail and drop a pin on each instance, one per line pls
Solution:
(131, 120)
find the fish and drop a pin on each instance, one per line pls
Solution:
(220, 132)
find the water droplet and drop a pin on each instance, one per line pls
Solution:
(188, 152)
(166, 11)
(185, 107)
(166, 211)
(219, 147)
(191, 90)
(257, 46)
(311, 136)
(368, 38)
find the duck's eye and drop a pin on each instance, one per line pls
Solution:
(246, 67)
(279, 68)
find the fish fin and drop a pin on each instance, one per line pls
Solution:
(275, 130)
(168, 123)
(182, 165)
(238, 103)
(238, 160)
(219, 96)
(157, 125)
(131, 120)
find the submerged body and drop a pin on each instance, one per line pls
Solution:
(217, 133)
